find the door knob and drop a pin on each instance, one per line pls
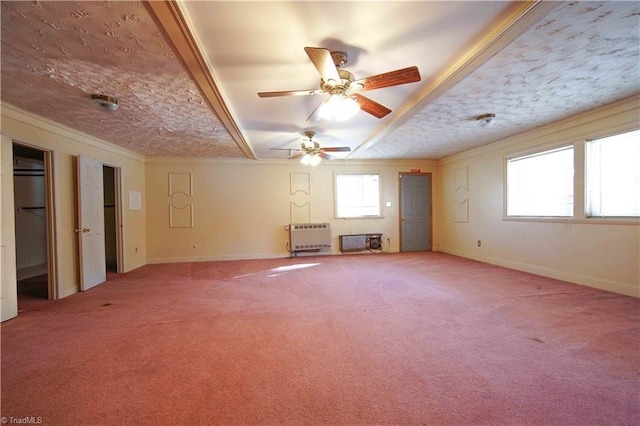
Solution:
(404, 218)
(86, 229)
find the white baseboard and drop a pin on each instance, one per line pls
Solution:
(599, 283)
(31, 271)
(159, 260)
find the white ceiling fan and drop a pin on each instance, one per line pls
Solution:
(310, 151)
(343, 88)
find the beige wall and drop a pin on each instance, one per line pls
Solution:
(598, 253)
(65, 145)
(240, 208)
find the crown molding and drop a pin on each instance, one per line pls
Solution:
(610, 119)
(11, 112)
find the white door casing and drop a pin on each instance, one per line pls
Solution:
(8, 286)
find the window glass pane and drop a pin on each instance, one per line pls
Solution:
(357, 195)
(541, 184)
(613, 175)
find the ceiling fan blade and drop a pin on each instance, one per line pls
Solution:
(323, 62)
(371, 106)
(391, 78)
(337, 149)
(290, 93)
(285, 149)
(296, 156)
(325, 156)
(315, 115)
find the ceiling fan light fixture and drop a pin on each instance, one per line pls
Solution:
(107, 103)
(310, 160)
(315, 160)
(485, 120)
(339, 108)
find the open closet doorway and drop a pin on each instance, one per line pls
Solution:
(112, 219)
(33, 195)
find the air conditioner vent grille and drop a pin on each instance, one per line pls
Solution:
(310, 226)
(360, 242)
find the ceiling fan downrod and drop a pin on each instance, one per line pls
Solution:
(339, 58)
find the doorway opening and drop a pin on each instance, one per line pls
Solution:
(111, 218)
(99, 224)
(35, 264)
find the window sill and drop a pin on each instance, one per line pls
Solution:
(359, 217)
(577, 220)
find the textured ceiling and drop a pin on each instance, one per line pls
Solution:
(56, 54)
(574, 57)
(580, 56)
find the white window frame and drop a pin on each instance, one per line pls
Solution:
(580, 181)
(532, 153)
(589, 181)
(335, 195)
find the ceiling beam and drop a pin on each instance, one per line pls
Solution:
(513, 22)
(172, 23)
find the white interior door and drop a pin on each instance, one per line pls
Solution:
(90, 229)
(8, 287)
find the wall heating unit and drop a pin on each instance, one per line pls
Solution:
(309, 237)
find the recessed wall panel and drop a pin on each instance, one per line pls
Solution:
(180, 201)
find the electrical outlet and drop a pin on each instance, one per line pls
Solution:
(479, 243)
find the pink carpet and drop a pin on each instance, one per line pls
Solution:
(388, 339)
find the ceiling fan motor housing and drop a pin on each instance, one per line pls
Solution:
(310, 146)
(338, 87)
